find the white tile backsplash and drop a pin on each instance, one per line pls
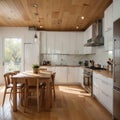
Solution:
(100, 57)
(57, 59)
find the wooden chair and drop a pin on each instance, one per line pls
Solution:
(16, 72)
(31, 91)
(9, 85)
(53, 84)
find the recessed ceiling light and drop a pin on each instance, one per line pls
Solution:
(77, 27)
(41, 26)
(35, 5)
(82, 17)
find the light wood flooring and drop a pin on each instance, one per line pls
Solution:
(72, 103)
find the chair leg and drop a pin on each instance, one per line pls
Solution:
(21, 96)
(10, 94)
(54, 92)
(26, 91)
(51, 97)
(4, 96)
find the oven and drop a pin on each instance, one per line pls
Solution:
(87, 80)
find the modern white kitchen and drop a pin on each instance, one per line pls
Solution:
(84, 61)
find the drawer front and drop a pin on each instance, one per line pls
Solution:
(97, 92)
(107, 101)
(107, 86)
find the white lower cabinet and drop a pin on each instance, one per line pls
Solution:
(108, 36)
(103, 90)
(67, 75)
(73, 75)
(61, 75)
(81, 76)
(51, 68)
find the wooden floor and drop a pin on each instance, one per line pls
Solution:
(72, 103)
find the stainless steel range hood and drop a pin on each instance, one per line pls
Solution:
(97, 38)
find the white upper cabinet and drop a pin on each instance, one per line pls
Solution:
(116, 9)
(65, 42)
(108, 18)
(62, 42)
(50, 42)
(79, 43)
(72, 42)
(81, 70)
(87, 36)
(89, 32)
(108, 40)
(43, 42)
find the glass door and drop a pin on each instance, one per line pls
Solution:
(12, 54)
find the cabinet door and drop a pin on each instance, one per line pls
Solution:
(65, 43)
(58, 42)
(89, 32)
(96, 86)
(43, 42)
(61, 75)
(108, 18)
(108, 40)
(73, 75)
(103, 90)
(72, 42)
(79, 43)
(87, 36)
(116, 9)
(50, 42)
(81, 76)
(107, 85)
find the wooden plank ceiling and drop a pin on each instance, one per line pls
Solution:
(55, 15)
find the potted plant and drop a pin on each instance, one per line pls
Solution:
(35, 68)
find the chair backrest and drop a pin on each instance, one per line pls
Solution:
(16, 72)
(7, 78)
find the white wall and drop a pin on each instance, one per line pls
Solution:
(17, 32)
(100, 57)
